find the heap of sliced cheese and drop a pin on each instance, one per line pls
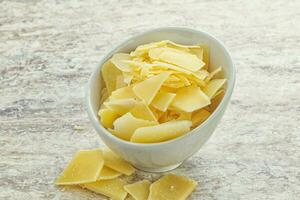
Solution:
(159, 92)
(100, 170)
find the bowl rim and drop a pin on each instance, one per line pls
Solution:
(98, 126)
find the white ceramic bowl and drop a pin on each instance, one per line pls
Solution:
(167, 155)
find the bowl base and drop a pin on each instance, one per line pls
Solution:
(159, 169)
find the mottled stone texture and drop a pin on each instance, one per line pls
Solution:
(49, 48)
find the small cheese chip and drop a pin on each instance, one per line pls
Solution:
(127, 77)
(216, 101)
(107, 117)
(201, 74)
(85, 167)
(199, 116)
(147, 89)
(198, 52)
(190, 98)
(184, 116)
(161, 132)
(109, 75)
(138, 190)
(213, 73)
(171, 187)
(108, 173)
(213, 86)
(114, 162)
(170, 66)
(183, 46)
(143, 49)
(121, 106)
(162, 100)
(206, 56)
(180, 58)
(118, 60)
(111, 188)
(123, 93)
(120, 82)
(142, 111)
(125, 126)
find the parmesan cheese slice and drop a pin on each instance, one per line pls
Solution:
(199, 116)
(180, 58)
(213, 86)
(171, 187)
(213, 73)
(121, 106)
(109, 75)
(161, 132)
(143, 49)
(123, 93)
(142, 111)
(111, 188)
(85, 167)
(108, 173)
(125, 126)
(107, 117)
(190, 98)
(216, 101)
(147, 89)
(120, 82)
(116, 163)
(206, 55)
(163, 100)
(170, 66)
(118, 60)
(138, 190)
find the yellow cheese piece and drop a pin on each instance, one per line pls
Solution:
(213, 73)
(127, 77)
(130, 198)
(147, 89)
(161, 132)
(143, 49)
(107, 117)
(118, 60)
(171, 187)
(120, 82)
(138, 190)
(184, 116)
(183, 79)
(199, 116)
(163, 65)
(190, 98)
(123, 93)
(163, 100)
(218, 92)
(216, 101)
(125, 126)
(198, 52)
(85, 167)
(183, 46)
(114, 162)
(213, 86)
(109, 75)
(180, 58)
(201, 74)
(108, 173)
(121, 106)
(206, 55)
(111, 188)
(142, 111)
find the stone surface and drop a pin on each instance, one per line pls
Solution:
(48, 49)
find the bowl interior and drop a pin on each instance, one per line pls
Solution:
(218, 57)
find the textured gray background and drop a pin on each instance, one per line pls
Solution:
(49, 48)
